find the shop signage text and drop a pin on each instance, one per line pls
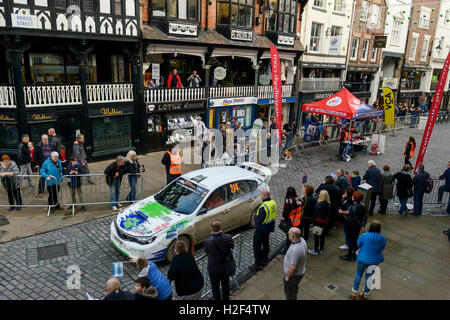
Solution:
(335, 42)
(224, 102)
(174, 106)
(24, 19)
(271, 101)
(323, 65)
(108, 112)
(380, 42)
(41, 117)
(390, 83)
(7, 118)
(316, 96)
(182, 29)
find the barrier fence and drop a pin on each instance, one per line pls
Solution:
(36, 196)
(429, 198)
(202, 263)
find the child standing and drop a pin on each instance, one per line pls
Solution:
(62, 156)
(356, 179)
(74, 168)
(31, 148)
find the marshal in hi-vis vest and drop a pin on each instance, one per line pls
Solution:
(175, 163)
(411, 151)
(270, 207)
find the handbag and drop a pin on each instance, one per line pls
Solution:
(285, 225)
(230, 262)
(316, 230)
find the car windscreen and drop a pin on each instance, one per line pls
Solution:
(182, 196)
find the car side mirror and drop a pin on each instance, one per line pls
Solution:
(202, 211)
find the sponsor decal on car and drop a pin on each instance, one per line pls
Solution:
(155, 210)
(172, 231)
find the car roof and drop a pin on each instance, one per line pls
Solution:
(218, 176)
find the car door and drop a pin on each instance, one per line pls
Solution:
(213, 208)
(243, 199)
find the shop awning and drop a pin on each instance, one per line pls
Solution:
(283, 55)
(230, 52)
(179, 49)
(342, 104)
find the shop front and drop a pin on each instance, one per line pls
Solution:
(164, 118)
(9, 137)
(221, 111)
(411, 98)
(266, 109)
(359, 80)
(309, 97)
(111, 130)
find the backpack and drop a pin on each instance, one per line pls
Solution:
(429, 185)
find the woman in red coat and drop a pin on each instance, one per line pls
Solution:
(174, 80)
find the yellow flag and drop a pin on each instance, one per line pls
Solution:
(389, 106)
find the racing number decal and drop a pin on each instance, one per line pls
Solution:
(234, 188)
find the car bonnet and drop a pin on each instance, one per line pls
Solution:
(148, 217)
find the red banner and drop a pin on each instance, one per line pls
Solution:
(276, 85)
(433, 112)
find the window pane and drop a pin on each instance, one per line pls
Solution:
(223, 13)
(280, 22)
(159, 8)
(216, 199)
(288, 7)
(274, 4)
(60, 4)
(282, 5)
(89, 5)
(172, 8)
(292, 29)
(118, 7)
(193, 9)
(272, 26)
(245, 16)
(182, 7)
(286, 23)
(234, 14)
(293, 7)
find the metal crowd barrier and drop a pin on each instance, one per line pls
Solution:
(33, 199)
(428, 198)
(202, 263)
(97, 192)
(229, 161)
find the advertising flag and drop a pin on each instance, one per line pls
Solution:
(389, 106)
(433, 112)
(276, 85)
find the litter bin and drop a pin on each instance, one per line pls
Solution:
(366, 190)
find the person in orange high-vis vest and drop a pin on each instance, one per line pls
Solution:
(410, 148)
(172, 161)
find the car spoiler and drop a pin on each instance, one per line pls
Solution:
(263, 172)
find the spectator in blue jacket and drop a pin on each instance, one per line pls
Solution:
(51, 171)
(445, 187)
(371, 245)
(150, 270)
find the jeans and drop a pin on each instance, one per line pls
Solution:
(360, 269)
(291, 287)
(403, 207)
(346, 237)
(261, 247)
(443, 189)
(114, 192)
(25, 169)
(132, 180)
(288, 141)
(216, 281)
(334, 129)
(408, 162)
(171, 177)
(418, 203)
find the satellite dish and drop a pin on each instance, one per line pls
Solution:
(220, 73)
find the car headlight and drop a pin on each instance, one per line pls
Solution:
(145, 240)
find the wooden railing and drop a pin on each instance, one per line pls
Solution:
(266, 92)
(7, 97)
(110, 92)
(232, 91)
(172, 95)
(51, 95)
(320, 84)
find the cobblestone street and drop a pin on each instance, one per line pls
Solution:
(28, 272)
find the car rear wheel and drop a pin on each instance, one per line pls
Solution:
(171, 248)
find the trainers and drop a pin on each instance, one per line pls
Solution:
(344, 247)
(313, 252)
(19, 208)
(11, 209)
(83, 208)
(119, 205)
(346, 257)
(115, 208)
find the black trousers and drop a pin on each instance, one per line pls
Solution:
(352, 236)
(373, 201)
(53, 195)
(291, 287)
(171, 177)
(334, 217)
(305, 226)
(261, 247)
(14, 194)
(319, 241)
(407, 161)
(216, 281)
(383, 205)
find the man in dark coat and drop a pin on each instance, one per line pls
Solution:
(373, 177)
(342, 181)
(42, 152)
(24, 159)
(445, 187)
(55, 140)
(218, 246)
(114, 291)
(420, 181)
(335, 199)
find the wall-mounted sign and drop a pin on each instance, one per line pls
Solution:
(322, 65)
(391, 83)
(8, 117)
(264, 79)
(241, 35)
(380, 42)
(110, 111)
(223, 102)
(271, 101)
(284, 40)
(155, 71)
(41, 117)
(166, 107)
(182, 29)
(24, 19)
(220, 73)
(335, 42)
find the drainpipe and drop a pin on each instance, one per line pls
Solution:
(405, 57)
(349, 49)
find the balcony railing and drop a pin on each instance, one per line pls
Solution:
(7, 97)
(232, 91)
(357, 86)
(112, 92)
(52, 95)
(266, 92)
(433, 85)
(171, 95)
(410, 84)
(320, 84)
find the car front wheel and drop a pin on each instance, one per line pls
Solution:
(171, 248)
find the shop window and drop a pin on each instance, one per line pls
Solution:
(234, 12)
(47, 68)
(284, 15)
(91, 68)
(155, 123)
(9, 137)
(179, 9)
(118, 68)
(111, 133)
(38, 129)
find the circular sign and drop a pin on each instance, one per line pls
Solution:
(333, 102)
(356, 101)
(220, 73)
(264, 79)
(151, 107)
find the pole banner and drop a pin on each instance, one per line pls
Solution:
(433, 112)
(389, 106)
(276, 86)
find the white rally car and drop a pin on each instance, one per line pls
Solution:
(186, 207)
